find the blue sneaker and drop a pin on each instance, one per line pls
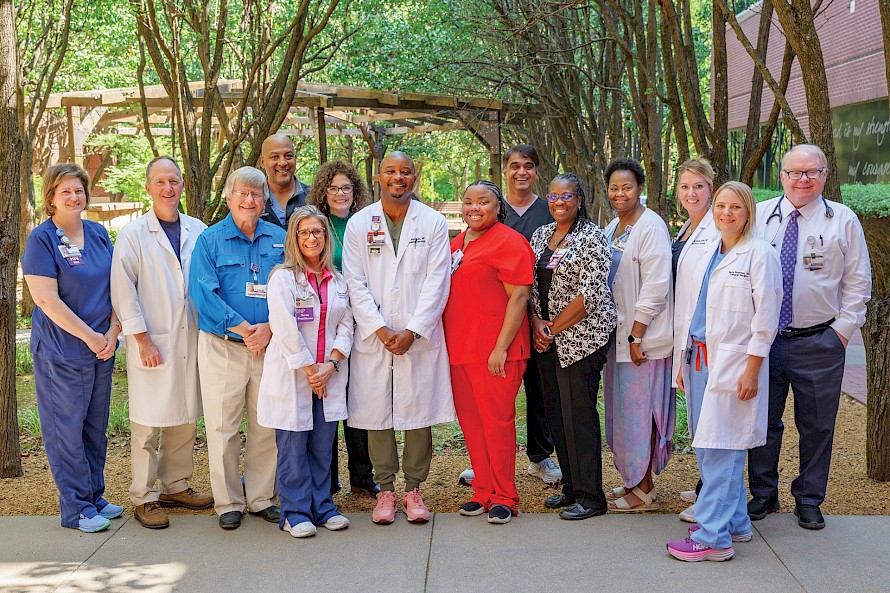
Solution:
(97, 523)
(111, 511)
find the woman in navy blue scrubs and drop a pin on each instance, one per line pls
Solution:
(67, 265)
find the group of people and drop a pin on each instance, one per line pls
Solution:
(312, 305)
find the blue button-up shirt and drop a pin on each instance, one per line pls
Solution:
(221, 268)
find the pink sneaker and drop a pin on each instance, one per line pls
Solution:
(385, 511)
(690, 550)
(414, 507)
(736, 537)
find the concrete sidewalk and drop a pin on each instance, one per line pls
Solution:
(536, 552)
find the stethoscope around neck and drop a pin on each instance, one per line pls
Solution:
(777, 213)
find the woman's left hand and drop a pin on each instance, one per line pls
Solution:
(497, 361)
(748, 384)
(110, 343)
(636, 353)
(319, 380)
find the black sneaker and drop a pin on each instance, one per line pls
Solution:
(471, 509)
(499, 514)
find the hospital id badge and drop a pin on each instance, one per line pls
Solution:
(557, 257)
(456, 259)
(813, 261)
(255, 291)
(303, 310)
(71, 254)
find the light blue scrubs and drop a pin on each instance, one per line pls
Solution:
(721, 508)
(73, 386)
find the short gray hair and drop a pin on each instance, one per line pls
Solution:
(250, 176)
(812, 149)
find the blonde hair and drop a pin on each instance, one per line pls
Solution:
(293, 257)
(747, 196)
(701, 167)
(54, 177)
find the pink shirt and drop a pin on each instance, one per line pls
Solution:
(322, 292)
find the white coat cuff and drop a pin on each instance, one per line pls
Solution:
(134, 326)
(300, 360)
(643, 318)
(760, 349)
(342, 344)
(844, 328)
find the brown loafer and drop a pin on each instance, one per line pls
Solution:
(151, 515)
(187, 499)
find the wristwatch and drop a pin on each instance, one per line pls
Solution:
(336, 364)
(417, 336)
(631, 339)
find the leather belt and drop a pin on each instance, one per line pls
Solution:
(803, 332)
(228, 338)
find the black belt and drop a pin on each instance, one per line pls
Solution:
(229, 338)
(803, 332)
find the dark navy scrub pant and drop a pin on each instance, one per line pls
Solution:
(304, 470)
(814, 368)
(73, 398)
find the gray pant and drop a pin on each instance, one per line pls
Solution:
(814, 368)
(416, 458)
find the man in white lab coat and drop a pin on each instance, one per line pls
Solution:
(149, 291)
(396, 259)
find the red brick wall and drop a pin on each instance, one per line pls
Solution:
(853, 53)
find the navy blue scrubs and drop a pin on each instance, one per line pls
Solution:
(73, 386)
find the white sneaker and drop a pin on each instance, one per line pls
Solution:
(466, 477)
(304, 529)
(336, 523)
(688, 496)
(547, 471)
(688, 515)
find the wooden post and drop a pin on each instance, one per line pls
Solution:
(75, 137)
(321, 136)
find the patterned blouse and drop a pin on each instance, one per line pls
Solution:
(584, 270)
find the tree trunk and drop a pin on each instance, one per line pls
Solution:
(876, 336)
(797, 19)
(752, 129)
(10, 153)
(720, 99)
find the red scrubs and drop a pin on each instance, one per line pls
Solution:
(473, 317)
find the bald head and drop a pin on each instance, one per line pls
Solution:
(396, 176)
(279, 162)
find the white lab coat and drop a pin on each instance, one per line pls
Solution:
(285, 398)
(642, 288)
(407, 290)
(742, 318)
(149, 292)
(698, 243)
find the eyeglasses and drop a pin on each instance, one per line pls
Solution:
(243, 194)
(810, 174)
(333, 190)
(317, 233)
(566, 197)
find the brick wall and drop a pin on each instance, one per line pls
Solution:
(852, 49)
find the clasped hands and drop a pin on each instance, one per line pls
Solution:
(397, 342)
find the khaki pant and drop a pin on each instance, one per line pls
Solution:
(160, 455)
(230, 380)
(416, 457)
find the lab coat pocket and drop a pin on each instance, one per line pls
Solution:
(416, 255)
(738, 295)
(727, 368)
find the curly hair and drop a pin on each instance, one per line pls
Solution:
(496, 192)
(318, 193)
(626, 165)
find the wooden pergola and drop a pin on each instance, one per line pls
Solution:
(318, 110)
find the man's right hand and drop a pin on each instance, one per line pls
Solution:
(148, 351)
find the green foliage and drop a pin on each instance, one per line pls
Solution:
(127, 173)
(871, 200)
(24, 362)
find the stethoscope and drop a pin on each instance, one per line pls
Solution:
(777, 213)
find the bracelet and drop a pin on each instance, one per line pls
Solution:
(336, 364)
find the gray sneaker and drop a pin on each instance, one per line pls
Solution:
(547, 471)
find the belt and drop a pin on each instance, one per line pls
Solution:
(228, 338)
(803, 332)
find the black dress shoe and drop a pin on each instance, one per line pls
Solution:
(367, 487)
(761, 506)
(557, 501)
(230, 520)
(270, 514)
(809, 516)
(578, 511)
